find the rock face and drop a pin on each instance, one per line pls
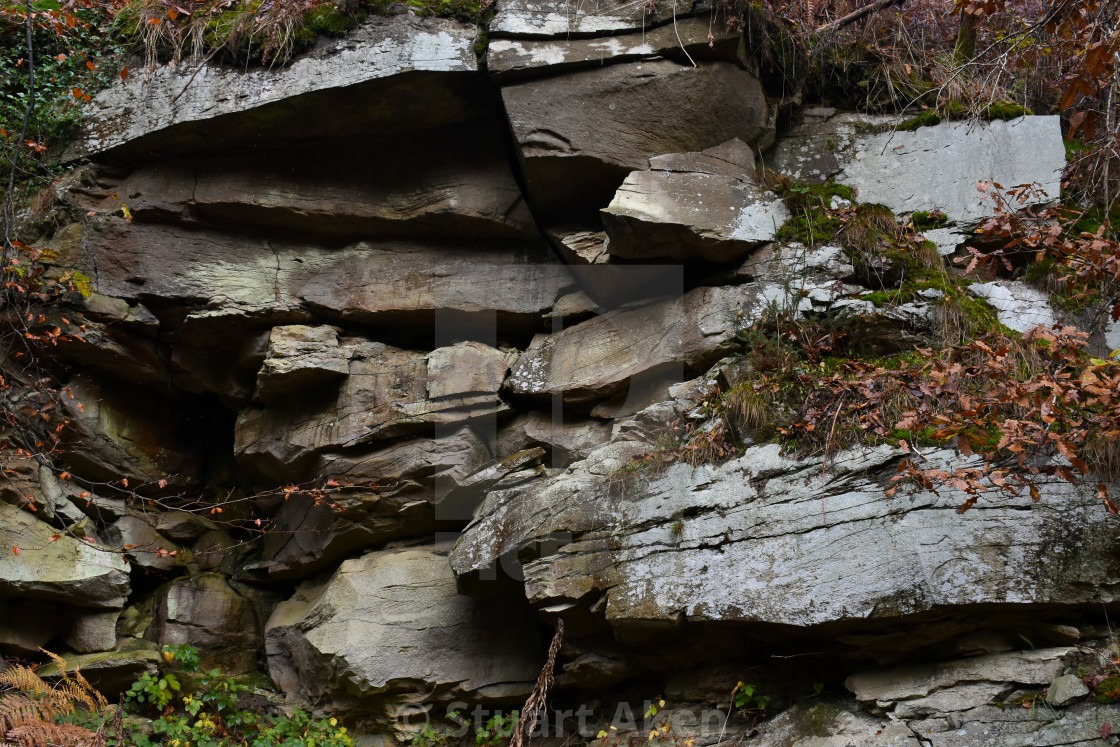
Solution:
(399, 351)
(858, 554)
(609, 354)
(390, 625)
(928, 168)
(387, 393)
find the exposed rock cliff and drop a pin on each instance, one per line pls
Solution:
(464, 302)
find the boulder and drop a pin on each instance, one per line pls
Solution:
(579, 135)
(567, 438)
(931, 168)
(1037, 667)
(92, 630)
(693, 205)
(209, 614)
(1066, 690)
(65, 569)
(713, 543)
(390, 71)
(387, 634)
(135, 535)
(388, 393)
(623, 351)
(300, 358)
(390, 493)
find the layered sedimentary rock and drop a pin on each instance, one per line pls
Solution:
(388, 296)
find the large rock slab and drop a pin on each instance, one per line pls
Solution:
(65, 569)
(693, 205)
(392, 492)
(450, 182)
(522, 56)
(550, 19)
(929, 168)
(227, 280)
(300, 358)
(717, 543)
(392, 74)
(387, 393)
(388, 632)
(604, 356)
(579, 135)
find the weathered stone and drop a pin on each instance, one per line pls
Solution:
(601, 357)
(388, 393)
(300, 358)
(579, 135)
(389, 71)
(1066, 690)
(136, 536)
(207, 613)
(112, 672)
(388, 628)
(1020, 306)
(608, 282)
(859, 555)
(393, 493)
(960, 697)
(567, 439)
(832, 724)
(92, 631)
(693, 205)
(65, 570)
(232, 282)
(114, 349)
(521, 57)
(448, 183)
(182, 526)
(1002, 725)
(118, 433)
(1037, 667)
(930, 168)
(551, 19)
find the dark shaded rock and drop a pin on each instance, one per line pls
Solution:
(300, 358)
(579, 135)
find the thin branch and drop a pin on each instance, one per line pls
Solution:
(855, 15)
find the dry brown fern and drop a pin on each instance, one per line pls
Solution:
(30, 706)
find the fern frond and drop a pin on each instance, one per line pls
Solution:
(47, 734)
(16, 708)
(24, 680)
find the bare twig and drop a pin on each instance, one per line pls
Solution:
(855, 15)
(535, 704)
